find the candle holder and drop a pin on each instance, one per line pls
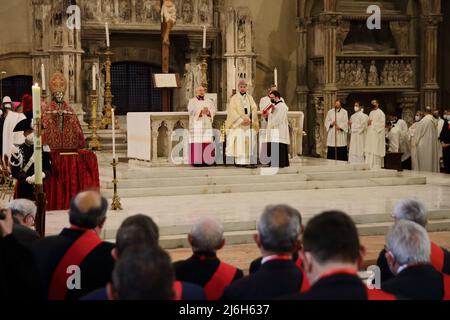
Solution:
(94, 144)
(44, 95)
(107, 114)
(115, 205)
(203, 57)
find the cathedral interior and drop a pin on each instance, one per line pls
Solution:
(322, 50)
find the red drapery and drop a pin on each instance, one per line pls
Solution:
(71, 174)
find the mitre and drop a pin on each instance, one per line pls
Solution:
(58, 83)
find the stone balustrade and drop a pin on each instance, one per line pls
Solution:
(152, 138)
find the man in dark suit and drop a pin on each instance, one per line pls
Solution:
(444, 138)
(332, 255)
(279, 231)
(141, 231)
(415, 211)
(79, 246)
(204, 267)
(408, 257)
(24, 214)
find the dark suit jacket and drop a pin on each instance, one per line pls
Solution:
(386, 273)
(96, 269)
(255, 265)
(420, 282)
(199, 271)
(445, 133)
(335, 287)
(274, 279)
(24, 235)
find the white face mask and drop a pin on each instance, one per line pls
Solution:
(29, 139)
(418, 118)
(448, 117)
(356, 109)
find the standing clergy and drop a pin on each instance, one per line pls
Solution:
(277, 132)
(358, 128)
(440, 125)
(375, 149)
(264, 105)
(242, 126)
(22, 162)
(411, 132)
(399, 141)
(336, 124)
(201, 116)
(444, 138)
(426, 144)
(10, 137)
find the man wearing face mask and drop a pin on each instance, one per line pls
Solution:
(444, 138)
(375, 149)
(358, 124)
(22, 162)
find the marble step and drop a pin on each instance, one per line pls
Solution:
(126, 172)
(246, 236)
(246, 179)
(260, 187)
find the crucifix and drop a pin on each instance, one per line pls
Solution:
(168, 21)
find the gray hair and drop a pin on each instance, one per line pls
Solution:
(23, 207)
(207, 235)
(279, 228)
(409, 243)
(411, 210)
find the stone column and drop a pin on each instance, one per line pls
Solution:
(302, 62)
(430, 85)
(408, 103)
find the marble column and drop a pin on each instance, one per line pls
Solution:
(430, 86)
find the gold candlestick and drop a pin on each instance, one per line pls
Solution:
(204, 68)
(94, 144)
(107, 114)
(115, 205)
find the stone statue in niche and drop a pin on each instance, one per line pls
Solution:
(372, 79)
(90, 10)
(359, 79)
(348, 73)
(395, 73)
(353, 71)
(241, 69)
(39, 32)
(319, 125)
(342, 73)
(108, 9)
(187, 11)
(71, 37)
(168, 18)
(197, 74)
(409, 74)
(242, 37)
(58, 37)
(203, 11)
(124, 10)
(151, 10)
(71, 79)
(188, 82)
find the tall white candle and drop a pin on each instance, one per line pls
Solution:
(107, 34)
(204, 37)
(44, 85)
(275, 72)
(36, 91)
(113, 119)
(94, 78)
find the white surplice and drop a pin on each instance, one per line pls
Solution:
(358, 132)
(375, 148)
(200, 126)
(278, 125)
(399, 142)
(11, 138)
(426, 144)
(340, 139)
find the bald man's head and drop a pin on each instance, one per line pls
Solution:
(88, 210)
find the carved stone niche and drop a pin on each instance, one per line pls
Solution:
(408, 104)
(400, 31)
(319, 126)
(186, 11)
(205, 12)
(341, 34)
(124, 10)
(148, 11)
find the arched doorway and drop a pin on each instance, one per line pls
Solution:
(16, 87)
(132, 87)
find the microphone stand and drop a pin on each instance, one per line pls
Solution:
(251, 165)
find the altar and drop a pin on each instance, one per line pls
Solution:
(160, 139)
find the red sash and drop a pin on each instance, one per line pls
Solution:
(178, 290)
(446, 280)
(220, 280)
(437, 257)
(377, 294)
(79, 250)
(305, 282)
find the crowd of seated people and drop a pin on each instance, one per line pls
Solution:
(318, 261)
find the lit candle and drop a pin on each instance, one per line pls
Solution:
(275, 72)
(204, 37)
(94, 78)
(36, 90)
(44, 86)
(113, 119)
(107, 34)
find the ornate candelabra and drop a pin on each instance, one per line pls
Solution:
(107, 114)
(94, 144)
(204, 67)
(115, 205)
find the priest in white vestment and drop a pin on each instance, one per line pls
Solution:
(336, 124)
(398, 142)
(426, 143)
(277, 132)
(375, 148)
(264, 105)
(411, 132)
(201, 117)
(11, 138)
(358, 129)
(242, 126)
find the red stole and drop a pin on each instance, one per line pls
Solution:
(221, 279)
(437, 257)
(79, 250)
(178, 290)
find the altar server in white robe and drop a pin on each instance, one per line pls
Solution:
(440, 125)
(11, 138)
(425, 143)
(358, 129)
(375, 148)
(277, 132)
(411, 132)
(264, 105)
(201, 117)
(398, 142)
(336, 124)
(242, 127)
